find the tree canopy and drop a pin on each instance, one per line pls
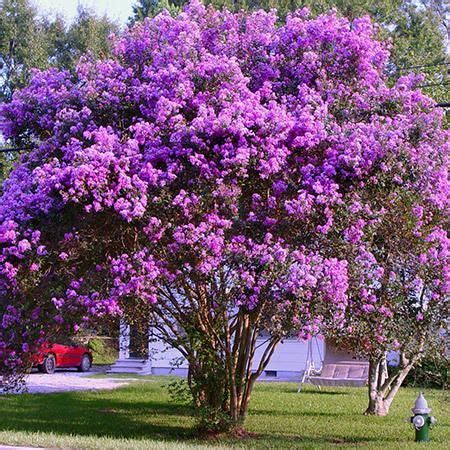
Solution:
(232, 178)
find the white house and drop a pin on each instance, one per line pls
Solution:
(288, 361)
(3, 124)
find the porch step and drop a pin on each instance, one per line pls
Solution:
(131, 365)
(131, 361)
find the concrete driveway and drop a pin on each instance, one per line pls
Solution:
(63, 381)
(7, 447)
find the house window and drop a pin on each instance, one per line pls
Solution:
(270, 373)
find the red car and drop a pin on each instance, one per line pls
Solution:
(52, 356)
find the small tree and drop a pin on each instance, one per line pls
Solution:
(396, 236)
(195, 182)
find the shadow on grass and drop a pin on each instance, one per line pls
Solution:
(273, 413)
(134, 412)
(320, 392)
(286, 389)
(96, 414)
(299, 441)
(143, 411)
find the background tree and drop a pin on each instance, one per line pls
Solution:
(29, 41)
(199, 179)
(150, 8)
(23, 44)
(399, 280)
(87, 33)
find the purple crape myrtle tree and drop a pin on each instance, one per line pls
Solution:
(201, 180)
(396, 237)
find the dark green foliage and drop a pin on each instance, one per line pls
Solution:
(431, 372)
(150, 8)
(104, 351)
(143, 9)
(88, 33)
(6, 164)
(23, 44)
(179, 392)
(28, 41)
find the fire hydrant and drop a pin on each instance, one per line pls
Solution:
(422, 421)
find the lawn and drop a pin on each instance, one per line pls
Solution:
(142, 416)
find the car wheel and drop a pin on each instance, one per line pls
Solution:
(85, 365)
(49, 364)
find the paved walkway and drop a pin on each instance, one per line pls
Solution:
(38, 383)
(7, 447)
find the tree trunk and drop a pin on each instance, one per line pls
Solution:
(222, 383)
(378, 406)
(220, 347)
(383, 386)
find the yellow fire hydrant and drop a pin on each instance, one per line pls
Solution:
(422, 421)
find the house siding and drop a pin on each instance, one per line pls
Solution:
(288, 361)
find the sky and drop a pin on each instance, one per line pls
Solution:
(118, 10)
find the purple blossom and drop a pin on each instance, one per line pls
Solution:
(225, 153)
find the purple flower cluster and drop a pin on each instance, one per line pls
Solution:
(220, 148)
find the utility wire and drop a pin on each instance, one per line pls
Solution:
(11, 149)
(424, 66)
(445, 83)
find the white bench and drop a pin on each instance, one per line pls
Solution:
(341, 374)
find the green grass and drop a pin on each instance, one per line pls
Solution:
(141, 416)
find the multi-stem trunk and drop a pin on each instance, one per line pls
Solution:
(383, 386)
(219, 345)
(242, 370)
(224, 373)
